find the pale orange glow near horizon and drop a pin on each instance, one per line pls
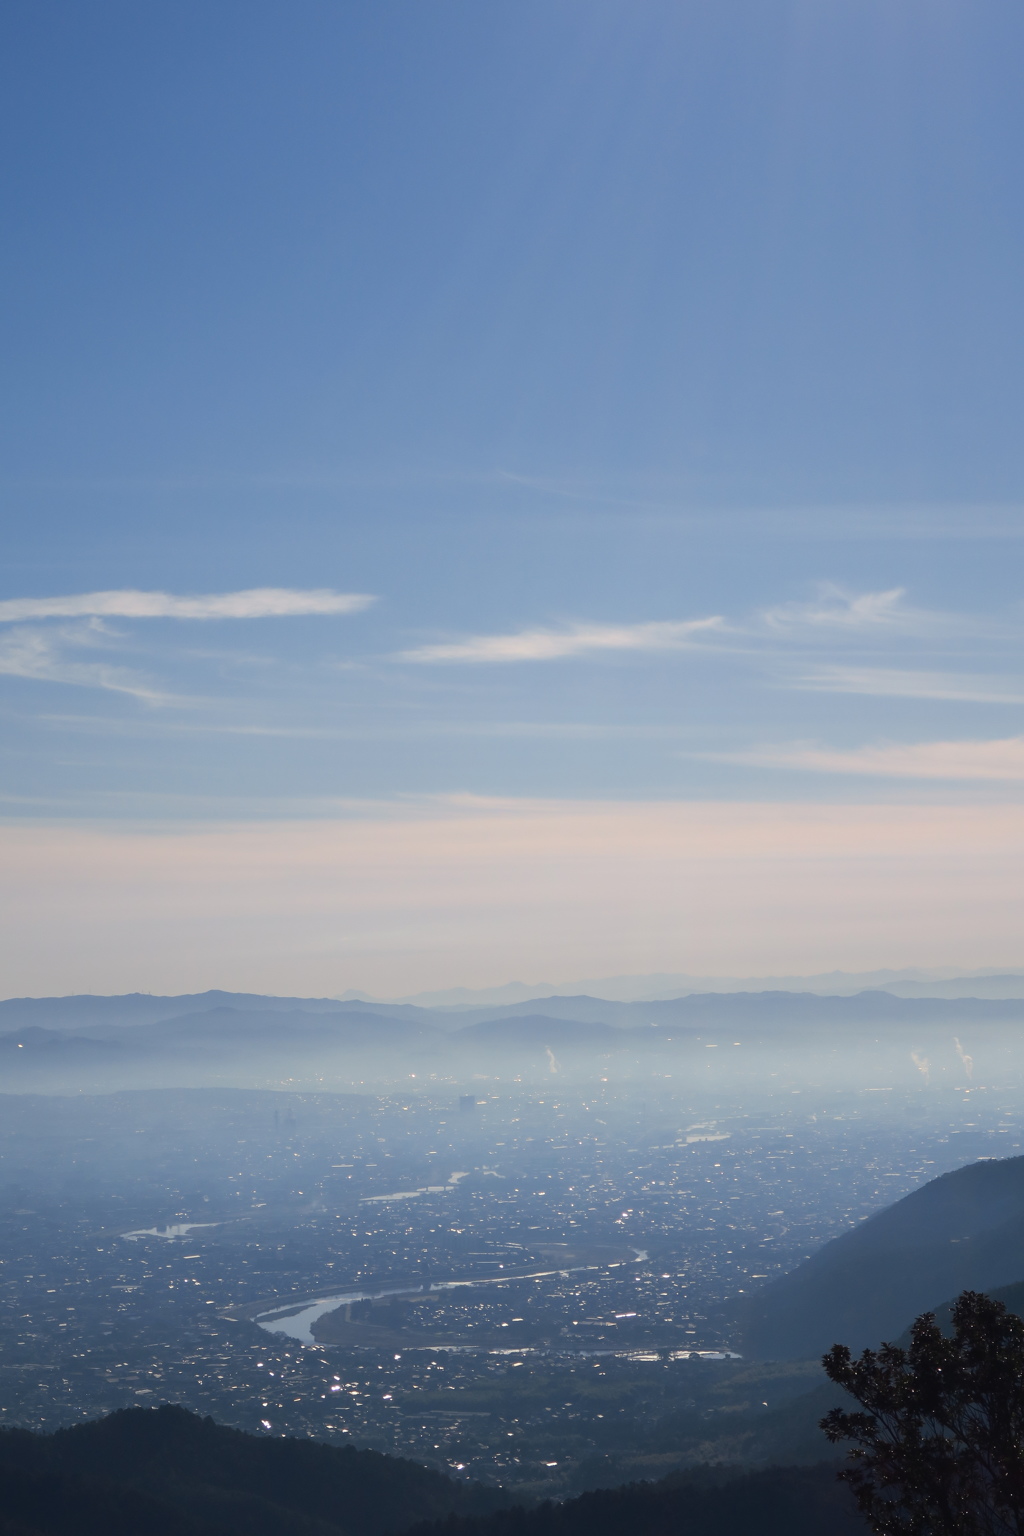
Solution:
(392, 899)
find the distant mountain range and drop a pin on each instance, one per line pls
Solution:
(85, 1010)
(663, 984)
(618, 999)
(219, 1036)
(963, 1231)
(108, 1017)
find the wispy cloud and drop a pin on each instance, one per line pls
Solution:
(992, 760)
(573, 640)
(891, 682)
(402, 730)
(254, 603)
(41, 655)
(835, 608)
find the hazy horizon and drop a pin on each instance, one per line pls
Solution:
(638, 987)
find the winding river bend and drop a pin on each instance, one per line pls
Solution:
(297, 1318)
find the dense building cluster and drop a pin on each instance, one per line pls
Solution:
(509, 1288)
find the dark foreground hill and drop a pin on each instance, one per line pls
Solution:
(166, 1472)
(963, 1231)
(780, 1501)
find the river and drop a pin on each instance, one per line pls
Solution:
(297, 1318)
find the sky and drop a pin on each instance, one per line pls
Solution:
(511, 490)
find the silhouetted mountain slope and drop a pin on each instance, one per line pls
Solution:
(962, 1231)
(166, 1472)
(781, 1501)
(1011, 1296)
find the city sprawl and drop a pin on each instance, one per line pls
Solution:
(516, 1285)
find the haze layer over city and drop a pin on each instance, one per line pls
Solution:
(510, 784)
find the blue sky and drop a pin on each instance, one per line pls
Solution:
(595, 404)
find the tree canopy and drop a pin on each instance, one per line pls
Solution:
(939, 1438)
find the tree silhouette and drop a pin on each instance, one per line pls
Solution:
(939, 1445)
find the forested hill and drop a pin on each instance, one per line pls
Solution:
(779, 1501)
(962, 1231)
(166, 1472)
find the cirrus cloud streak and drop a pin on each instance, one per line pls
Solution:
(558, 644)
(897, 683)
(993, 760)
(47, 656)
(253, 603)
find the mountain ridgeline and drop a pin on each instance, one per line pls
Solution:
(217, 1036)
(87, 1013)
(167, 1472)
